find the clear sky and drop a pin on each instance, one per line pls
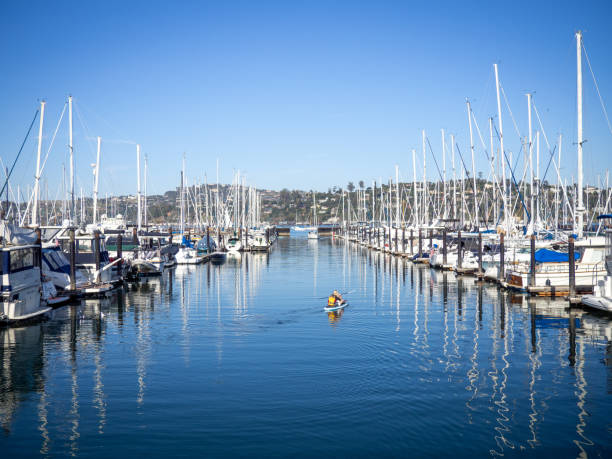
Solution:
(296, 94)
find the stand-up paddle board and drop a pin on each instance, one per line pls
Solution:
(336, 308)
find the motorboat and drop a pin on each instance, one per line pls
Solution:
(20, 297)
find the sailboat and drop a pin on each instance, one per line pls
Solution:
(314, 234)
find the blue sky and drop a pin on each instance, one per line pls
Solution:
(300, 94)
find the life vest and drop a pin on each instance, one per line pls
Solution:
(331, 301)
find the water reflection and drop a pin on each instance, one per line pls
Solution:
(445, 356)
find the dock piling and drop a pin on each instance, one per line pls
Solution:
(532, 263)
(459, 250)
(502, 257)
(572, 267)
(72, 261)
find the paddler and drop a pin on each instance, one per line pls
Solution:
(333, 298)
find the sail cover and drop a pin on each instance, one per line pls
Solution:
(13, 234)
(551, 256)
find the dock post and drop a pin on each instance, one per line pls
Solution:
(430, 238)
(420, 255)
(120, 250)
(207, 240)
(444, 248)
(267, 236)
(390, 248)
(72, 261)
(39, 251)
(572, 267)
(404, 240)
(170, 235)
(411, 243)
(135, 236)
(246, 238)
(396, 239)
(532, 264)
(459, 250)
(480, 273)
(502, 257)
(97, 249)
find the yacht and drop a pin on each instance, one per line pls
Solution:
(21, 277)
(602, 290)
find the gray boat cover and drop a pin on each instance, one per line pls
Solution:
(16, 235)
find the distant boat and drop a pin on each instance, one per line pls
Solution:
(234, 244)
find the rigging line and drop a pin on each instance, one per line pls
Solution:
(19, 153)
(603, 106)
(518, 189)
(53, 140)
(434, 158)
(550, 160)
(494, 175)
(540, 123)
(511, 114)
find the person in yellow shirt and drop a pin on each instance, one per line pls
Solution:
(335, 299)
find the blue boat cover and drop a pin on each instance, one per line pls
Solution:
(550, 256)
(187, 243)
(604, 216)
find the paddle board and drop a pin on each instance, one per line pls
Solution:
(336, 308)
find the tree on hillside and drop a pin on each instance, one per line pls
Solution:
(350, 187)
(361, 184)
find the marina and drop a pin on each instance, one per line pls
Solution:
(511, 374)
(306, 229)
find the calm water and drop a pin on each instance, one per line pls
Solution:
(241, 360)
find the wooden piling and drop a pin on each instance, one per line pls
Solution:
(480, 272)
(396, 239)
(420, 255)
(502, 258)
(532, 263)
(411, 243)
(97, 249)
(404, 241)
(572, 267)
(120, 250)
(208, 239)
(444, 257)
(72, 249)
(459, 250)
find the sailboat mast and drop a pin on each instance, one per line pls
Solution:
(397, 198)
(414, 189)
(96, 178)
(139, 215)
(34, 219)
(580, 206)
(72, 172)
(469, 110)
(531, 198)
(501, 146)
(444, 203)
(145, 191)
(454, 177)
(424, 216)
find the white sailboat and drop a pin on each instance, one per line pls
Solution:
(314, 234)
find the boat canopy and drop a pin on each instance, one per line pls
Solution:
(604, 216)
(551, 256)
(14, 234)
